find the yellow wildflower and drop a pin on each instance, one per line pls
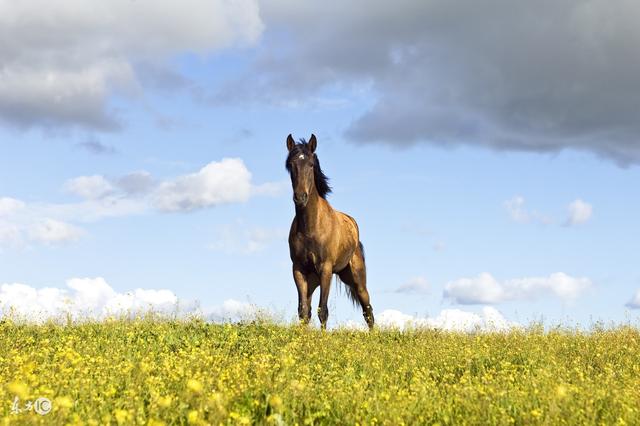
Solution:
(194, 386)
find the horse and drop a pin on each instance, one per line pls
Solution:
(322, 241)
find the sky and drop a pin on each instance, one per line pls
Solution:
(488, 150)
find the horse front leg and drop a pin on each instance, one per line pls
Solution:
(325, 284)
(304, 309)
(313, 282)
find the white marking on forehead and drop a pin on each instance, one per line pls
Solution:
(301, 156)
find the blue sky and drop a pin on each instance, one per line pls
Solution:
(476, 181)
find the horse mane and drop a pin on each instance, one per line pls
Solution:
(321, 180)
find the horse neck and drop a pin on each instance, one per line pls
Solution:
(309, 215)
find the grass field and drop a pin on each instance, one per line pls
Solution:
(190, 372)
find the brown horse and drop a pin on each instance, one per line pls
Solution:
(322, 241)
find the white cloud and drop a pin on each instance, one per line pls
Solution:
(65, 58)
(226, 181)
(84, 298)
(414, 285)
(519, 213)
(219, 182)
(234, 310)
(95, 299)
(485, 289)
(89, 187)
(92, 210)
(489, 319)
(21, 225)
(634, 303)
(482, 289)
(579, 213)
(10, 235)
(9, 206)
(49, 231)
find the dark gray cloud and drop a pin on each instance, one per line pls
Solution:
(535, 76)
(61, 65)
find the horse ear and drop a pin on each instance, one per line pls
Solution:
(290, 142)
(313, 143)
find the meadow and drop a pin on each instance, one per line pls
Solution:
(175, 372)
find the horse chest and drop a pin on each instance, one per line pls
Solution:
(307, 252)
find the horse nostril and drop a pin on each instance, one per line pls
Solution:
(305, 196)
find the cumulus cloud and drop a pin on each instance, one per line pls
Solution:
(49, 231)
(219, 182)
(10, 235)
(579, 213)
(489, 319)
(65, 59)
(223, 182)
(10, 232)
(20, 225)
(83, 298)
(92, 210)
(634, 303)
(9, 205)
(234, 310)
(95, 299)
(485, 289)
(89, 187)
(445, 73)
(414, 285)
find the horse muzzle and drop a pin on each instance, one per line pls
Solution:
(301, 199)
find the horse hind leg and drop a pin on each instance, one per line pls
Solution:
(355, 277)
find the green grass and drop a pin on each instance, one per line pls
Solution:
(190, 372)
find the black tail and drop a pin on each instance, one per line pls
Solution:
(351, 290)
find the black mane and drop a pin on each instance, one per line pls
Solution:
(321, 180)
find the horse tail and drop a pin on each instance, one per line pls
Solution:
(351, 292)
